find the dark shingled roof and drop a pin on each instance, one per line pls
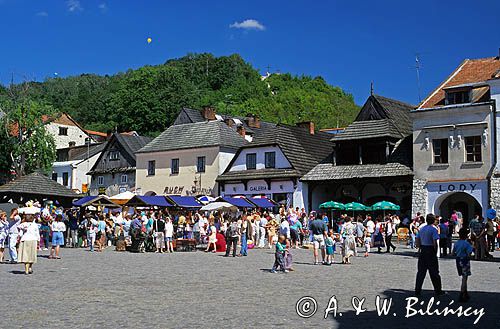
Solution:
(187, 115)
(195, 135)
(327, 171)
(83, 152)
(399, 164)
(37, 184)
(132, 143)
(258, 174)
(392, 119)
(303, 151)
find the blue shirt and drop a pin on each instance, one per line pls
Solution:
(443, 231)
(462, 248)
(428, 234)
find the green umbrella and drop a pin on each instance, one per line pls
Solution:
(355, 206)
(385, 205)
(332, 205)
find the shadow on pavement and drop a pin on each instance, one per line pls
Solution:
(402, 305)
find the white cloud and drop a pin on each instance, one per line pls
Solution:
(248, 24)
(103, 7)
(74, 5)
(42, 14)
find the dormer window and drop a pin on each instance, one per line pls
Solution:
(457, 96)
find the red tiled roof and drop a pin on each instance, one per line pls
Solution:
(96, 133)
(469, 71)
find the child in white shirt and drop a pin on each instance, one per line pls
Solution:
(367, 241)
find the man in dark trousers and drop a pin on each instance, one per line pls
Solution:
(232, 235)
(427, 260)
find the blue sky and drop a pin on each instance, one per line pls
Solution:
(350, 43)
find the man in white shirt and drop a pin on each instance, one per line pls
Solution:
(285, 228)
(370, 226)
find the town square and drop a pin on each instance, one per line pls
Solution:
(249, 165)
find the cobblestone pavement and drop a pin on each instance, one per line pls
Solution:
(199, 290)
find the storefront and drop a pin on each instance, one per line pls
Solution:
(287, 192)
(467, 197)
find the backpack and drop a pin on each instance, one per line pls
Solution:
(232, 230)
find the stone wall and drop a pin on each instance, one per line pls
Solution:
(495, 191)
(419, 196)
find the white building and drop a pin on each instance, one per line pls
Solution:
(273, 163)
(73, 164)
(187, 158)
(455, 143)
(66, 131)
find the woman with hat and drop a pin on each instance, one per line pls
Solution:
(29, 243)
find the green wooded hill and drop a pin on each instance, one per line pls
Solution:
(148, 99)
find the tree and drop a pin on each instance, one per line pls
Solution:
(26, 144)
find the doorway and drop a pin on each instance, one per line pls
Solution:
(462, 202)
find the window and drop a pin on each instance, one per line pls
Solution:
(457, 97)
(251, 161)
(54, 176)
(65, 179)
(114, 155)
(124, 179)
(63, 131)
(440, 149)
(200, 164)
(174, 167)
(100, 180)
(473, 149)
(270, 159)
(151, 167)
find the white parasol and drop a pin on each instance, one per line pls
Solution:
(29, 210)
(218, 206)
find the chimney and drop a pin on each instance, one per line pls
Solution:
(307, 125)
(229, 122)
(253, 121)
(109, 133)
(241, 130)
(208, 113)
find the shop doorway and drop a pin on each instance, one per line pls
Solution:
(459, 201)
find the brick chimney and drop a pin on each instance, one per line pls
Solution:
(229, 122)
(208, 113)
(252, 120)
(307, 125)
(241, 130)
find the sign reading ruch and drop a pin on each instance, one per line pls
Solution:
(453, 187)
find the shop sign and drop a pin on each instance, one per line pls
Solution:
(258, 188)
(453, 187)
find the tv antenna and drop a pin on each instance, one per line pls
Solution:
(417, 69)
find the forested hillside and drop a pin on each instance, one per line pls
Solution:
(148, 99)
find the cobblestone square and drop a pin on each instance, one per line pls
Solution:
(200, 290)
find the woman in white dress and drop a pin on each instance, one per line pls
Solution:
(348, 233)
(29, 243)
(212, 238)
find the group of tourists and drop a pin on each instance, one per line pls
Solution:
(234, 233)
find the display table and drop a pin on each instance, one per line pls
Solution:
(185, 245)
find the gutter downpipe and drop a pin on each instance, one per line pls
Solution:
(495, 155)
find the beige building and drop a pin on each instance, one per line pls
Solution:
(186, 159)
(455, 141)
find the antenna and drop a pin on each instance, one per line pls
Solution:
(371, 88)
(417, 69)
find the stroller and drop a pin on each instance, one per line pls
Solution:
(138, 239)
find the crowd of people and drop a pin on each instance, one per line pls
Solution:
(164, 231)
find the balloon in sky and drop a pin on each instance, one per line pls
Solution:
(149, 40)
